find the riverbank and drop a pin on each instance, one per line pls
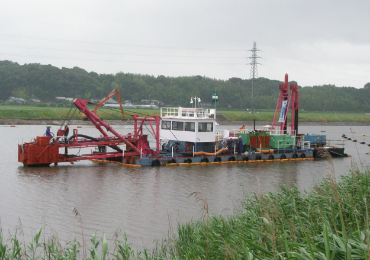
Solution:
(263, 117)
(248, 124)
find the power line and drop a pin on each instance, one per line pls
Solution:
(117, 53)
(61, 40)
(113, 60)
(254, 72)
(325, 73)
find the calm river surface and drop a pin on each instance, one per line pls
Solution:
(143, 202)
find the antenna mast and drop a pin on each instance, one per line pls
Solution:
(254, 72)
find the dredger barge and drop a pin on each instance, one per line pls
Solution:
(182, 136)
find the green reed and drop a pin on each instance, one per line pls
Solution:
(329, 222)
(52, 249)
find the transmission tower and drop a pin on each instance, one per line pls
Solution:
(254, 72)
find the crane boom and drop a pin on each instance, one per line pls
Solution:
(110, 95)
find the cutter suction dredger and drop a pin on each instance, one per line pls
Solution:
(45, 150)
(182, 136)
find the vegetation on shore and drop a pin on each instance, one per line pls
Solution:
(330, 222)
(60, 113)
(46, 82)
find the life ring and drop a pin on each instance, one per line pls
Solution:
(156, 162)
(283, 156)
(231, 159)
(295, 156)
(206, 160)
(188, 147)
(271, 157)
(303, 155)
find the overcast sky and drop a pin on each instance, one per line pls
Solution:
(315, 42)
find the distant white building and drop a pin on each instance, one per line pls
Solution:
(128, 104)
(33, 98)
(111, 101)
(64, 98)
(95, 100)
(152, 102)
(17, 100)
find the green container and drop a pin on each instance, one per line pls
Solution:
(282, 141)
(245, 138)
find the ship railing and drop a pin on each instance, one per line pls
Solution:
(305, 145)
(219, 139)
(282, 132)
(233, 133)
(283, 145)
(169, 111)
(181, 112)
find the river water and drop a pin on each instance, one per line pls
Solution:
(146, 203)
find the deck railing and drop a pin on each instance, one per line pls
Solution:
(188, 113)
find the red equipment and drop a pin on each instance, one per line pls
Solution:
(110, 95)
(285, 102)
(44, 150)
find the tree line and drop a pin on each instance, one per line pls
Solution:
(47, 82)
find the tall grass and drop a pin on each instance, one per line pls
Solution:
(329, 222)
(51, 249)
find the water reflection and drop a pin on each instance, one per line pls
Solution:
(38, 172)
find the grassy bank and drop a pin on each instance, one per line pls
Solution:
(60, 113)
(330, 222)
(302, 116)
(57, 113)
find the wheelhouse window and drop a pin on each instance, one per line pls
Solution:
(205, 127)
(166, 124)
(190, 126)
(179, 126)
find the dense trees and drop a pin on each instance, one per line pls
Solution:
(47, 82)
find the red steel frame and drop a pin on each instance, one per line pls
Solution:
(138, 133)
(110, 95)
(44, 152)
(293, 104)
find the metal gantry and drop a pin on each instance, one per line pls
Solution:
(254, 72)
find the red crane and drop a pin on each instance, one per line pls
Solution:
(287, 100)
(110, 95)
(44, 150)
